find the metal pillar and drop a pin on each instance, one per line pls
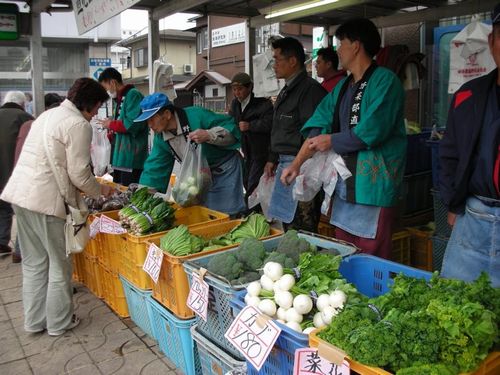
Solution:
(249, 47)
(37, 64)
(153, 46)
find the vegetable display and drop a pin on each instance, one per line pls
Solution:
(443, 326)
(114, 202)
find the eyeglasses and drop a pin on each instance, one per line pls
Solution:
(278, 59)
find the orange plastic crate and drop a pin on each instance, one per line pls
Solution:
(172, 288)
(78, 267)
(490, 366)
(93, 275)
(114, 295)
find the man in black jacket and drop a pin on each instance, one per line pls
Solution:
(296, 102)
(470, 174)
(254, 117)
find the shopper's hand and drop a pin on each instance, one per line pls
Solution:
(104, 123)
(244, 126)
(199, 136)
(289, 174)
(270, 169)
(107, 190)
(451, 218)
(322, 142)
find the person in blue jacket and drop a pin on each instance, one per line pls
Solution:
(219, 136)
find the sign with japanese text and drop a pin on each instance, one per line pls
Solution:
(110, 226)
(95, 227)
(152, 264)
(97, 66)
(198, 296)
(308, 362)
(9, 22)
(253, 335)
(91, 13)
(229, 35)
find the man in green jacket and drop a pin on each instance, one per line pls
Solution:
(219, 137)
(362, 119)
(130, 138)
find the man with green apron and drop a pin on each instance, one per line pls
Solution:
(219, 137)
(362, 120)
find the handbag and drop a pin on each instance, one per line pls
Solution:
(76, 231)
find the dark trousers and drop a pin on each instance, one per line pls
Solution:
(5, 222)
(254, 168)
(127, 178)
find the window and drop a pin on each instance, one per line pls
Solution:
(215, 92)
(202, 40)
(141, 57)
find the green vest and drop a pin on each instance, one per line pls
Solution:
(158, 166)
(131, 148)
(379, 168)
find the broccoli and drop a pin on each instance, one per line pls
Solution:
(280, 258)
(246, 278)
(251, 253)
(225, 265)
(292, 245)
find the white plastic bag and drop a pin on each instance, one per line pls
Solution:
(262, 195)
(100, 151)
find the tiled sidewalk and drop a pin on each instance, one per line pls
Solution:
(102, 343)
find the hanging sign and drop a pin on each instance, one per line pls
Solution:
(152, 264)
(198, 296)
(110, 226)
(309, 362)
(9, 22)
(95, 227)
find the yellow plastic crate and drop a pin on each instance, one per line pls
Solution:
(421, 247)
(401, 247)
(78, 267)
(114, 295)
(172, 288)
(93, 275)
(490, 366)
(133, 252)
(111, 246)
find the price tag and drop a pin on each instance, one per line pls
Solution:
(111, 226)
(309, 362)
(198, 296)
(253, 336)
(95, 227)
(152, 264)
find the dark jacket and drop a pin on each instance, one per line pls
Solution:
(12, 116)
(259, 113)
(456, 149)
(291, 111)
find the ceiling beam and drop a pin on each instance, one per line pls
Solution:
(174, 6)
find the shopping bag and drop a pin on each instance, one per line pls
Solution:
(308, 183)
(194, 179)
(100, 151)
(262, 194)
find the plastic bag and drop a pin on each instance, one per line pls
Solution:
(262, 195)
(194, 179)
(100, 151)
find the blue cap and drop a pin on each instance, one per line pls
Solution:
(152, 104)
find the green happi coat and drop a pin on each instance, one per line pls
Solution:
(378, 170)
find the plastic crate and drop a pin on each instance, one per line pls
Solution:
(138, 306)
(490, 366)
(174, 338)
(421, 247)
(112, 246)
(220, 313)
(114, 295)
(282, 356)
(79, 267)
(172, 288)
(401, 247)
(438, 248)
(436, 169)
(416, 193)
(418, 155)
(443, 229)
(214, 360)
(136, 248)
(93, 275)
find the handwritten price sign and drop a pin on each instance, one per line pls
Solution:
(152, 264)
(308, 362)
(110, 226)
(253, 336)
(198, 296)
(95, 227)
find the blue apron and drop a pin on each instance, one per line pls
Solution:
(283, 206)
(226, 192)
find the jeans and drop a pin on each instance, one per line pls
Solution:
(5, 222)
(474, 245)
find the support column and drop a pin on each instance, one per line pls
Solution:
(249, 47)
(153, 46)
(37, 64)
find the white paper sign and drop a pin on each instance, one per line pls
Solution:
(152, 264)
(198, 296)
(111, 226)
(253, 335)
(308, 362)
(232, 34)
(95, 227)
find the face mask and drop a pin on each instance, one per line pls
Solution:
(112, 94)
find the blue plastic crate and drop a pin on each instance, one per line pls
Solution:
(138, 308)
(214, 360)
(174, 338)
(220, 313)
(434, 145)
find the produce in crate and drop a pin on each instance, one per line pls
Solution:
(114, 202)
(439, 327)
(179, 242)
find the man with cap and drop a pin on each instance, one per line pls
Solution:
(254, 117)
(219, 137)
(469, 179)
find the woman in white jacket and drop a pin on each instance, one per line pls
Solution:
(39, 204)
